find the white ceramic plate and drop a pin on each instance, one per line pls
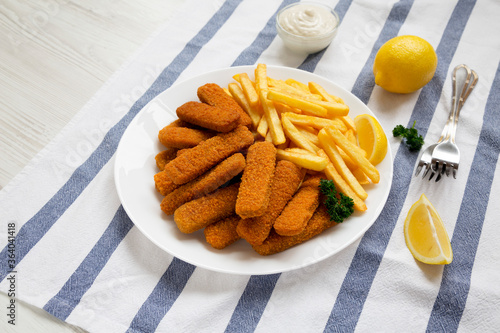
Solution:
(135, 167)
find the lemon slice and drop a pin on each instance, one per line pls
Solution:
(425, 234)
(371, 138)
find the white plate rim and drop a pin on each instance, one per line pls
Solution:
(136, 138)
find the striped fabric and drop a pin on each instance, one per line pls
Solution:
(80, 257)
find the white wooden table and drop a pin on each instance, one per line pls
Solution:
(54, 55)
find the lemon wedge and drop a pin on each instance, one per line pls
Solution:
(371, 138)
(425, 234)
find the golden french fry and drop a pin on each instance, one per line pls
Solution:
(269, 137)
(240, 98)
(261, 77)
(282, 108)
(334, 109)
(356, 171)
(349, 134)
(305, 160)
(332, 174)
(337, 99)
(273, 120)
(330, 148)
(349, 122)
(355, 153)
(309, 133)
(297, 150)
(272, 82)
(334, 105)
(299, 103)
(360, 176)
(298, 85)
(296, 137)
(249, 89)
(226, 90)
(309, 129)
(348, 161)
(316, 88)
(263, 127)
(283, 87)
(315, 122)
(353, 146)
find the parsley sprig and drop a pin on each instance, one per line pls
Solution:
(338, 205)
(414, 141)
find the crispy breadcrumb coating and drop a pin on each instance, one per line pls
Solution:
(214, 95)
(287, 178)
(197, 160)
(255, 188)
(207, 116)
(198, 213)
(163, 183)
(183, 137)
(206, 183)
(222, 233)
(275, 243)
(165, 156)
(294, 217)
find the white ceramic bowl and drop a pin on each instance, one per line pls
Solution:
(307, 44)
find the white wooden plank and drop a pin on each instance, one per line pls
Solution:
(55, 54)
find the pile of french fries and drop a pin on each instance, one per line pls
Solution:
(309, 127)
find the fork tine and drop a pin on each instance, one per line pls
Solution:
(446, 169)
(440, 167)
(419, 168)
(432, 175)
(435, 166)
(438, 177)
(443, 167)
(455, 169)
(426, 171)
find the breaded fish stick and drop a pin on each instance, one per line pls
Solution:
(208, 116)
(207, 183)
(165, 156)
(287, 178)
(198, 213)
(197, 160)
(275, 243)
(222, 233)
(183, 137)
(294, 217)
(214, 95)
(163, 183)
(181, 123)
(181, 151)
(255, 188)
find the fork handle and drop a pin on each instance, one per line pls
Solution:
(457, 104)
(447, 127)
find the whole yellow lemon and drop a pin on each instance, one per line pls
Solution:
(404, 64)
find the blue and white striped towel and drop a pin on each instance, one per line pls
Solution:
(80, 257)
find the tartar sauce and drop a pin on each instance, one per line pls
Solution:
(307, 20)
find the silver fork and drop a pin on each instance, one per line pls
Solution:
(426, 156)
(445, 156)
